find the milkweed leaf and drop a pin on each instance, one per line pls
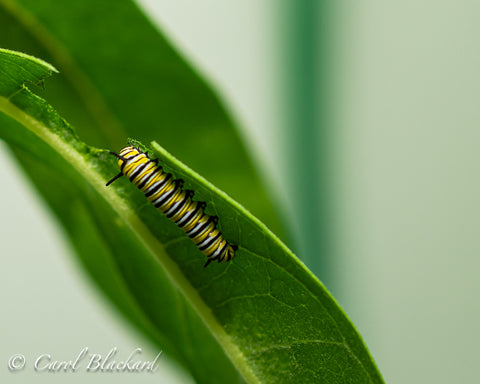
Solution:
(263, 315)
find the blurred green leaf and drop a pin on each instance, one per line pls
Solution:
(121, 78)
(272, 317)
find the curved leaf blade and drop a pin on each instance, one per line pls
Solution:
(96, 230)
(273, 318)
(129, 82)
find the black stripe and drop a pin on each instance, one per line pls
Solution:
(148, 178)
(200, 229)
(188, 217)
(210, 242)
(230, 255)
(128, 159)
(160, 185)
(138, 169)
(180, 205)
(222, 251)
(124, 160)
(219, 254)
(165, 198)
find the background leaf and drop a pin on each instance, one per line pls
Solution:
(118, 82)
(122, 82)
(273, 318)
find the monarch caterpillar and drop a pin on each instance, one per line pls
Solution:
(176, 203)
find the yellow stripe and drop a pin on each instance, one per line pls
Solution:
(211, 249)
(185, 209)
(166, 188)
(152, 181)
(203, 218)
(172, 200)
(198, 239)
(145, 172)
(128, 169)
(194, 220)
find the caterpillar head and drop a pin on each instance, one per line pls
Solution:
(125, 154)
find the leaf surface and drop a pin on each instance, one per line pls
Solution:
(273, 319)
(121, 78)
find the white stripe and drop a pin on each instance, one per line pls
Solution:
(219, 249)
(174, 206)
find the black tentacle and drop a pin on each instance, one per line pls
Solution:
(115, 178)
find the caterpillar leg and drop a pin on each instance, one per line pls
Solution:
(179, 183)
(208, 262)
(210, 259)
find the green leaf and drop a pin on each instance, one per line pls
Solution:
(272, 318)
(121, 78)
(132, 284)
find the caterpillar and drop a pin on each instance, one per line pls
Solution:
(176, 203)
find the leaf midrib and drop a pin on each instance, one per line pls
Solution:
(139, 228)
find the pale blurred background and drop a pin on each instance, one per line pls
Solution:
(404, 130)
